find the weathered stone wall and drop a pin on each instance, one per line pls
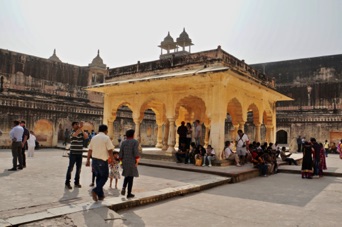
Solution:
(47, 95)
(315, 85)
(43, 69)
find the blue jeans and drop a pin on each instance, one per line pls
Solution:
(316, 167)
(101, 171)
(74, 159)
(262, 169)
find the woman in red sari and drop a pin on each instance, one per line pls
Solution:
(322, 163)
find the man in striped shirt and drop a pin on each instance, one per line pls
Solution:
(77, 137)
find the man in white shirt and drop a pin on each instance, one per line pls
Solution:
(242, 143)
(16, 135)
(100, 148)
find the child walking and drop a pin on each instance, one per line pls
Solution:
(114, 170)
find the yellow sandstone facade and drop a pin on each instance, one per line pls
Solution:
(209, 86)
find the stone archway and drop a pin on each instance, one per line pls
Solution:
(122, 123)
(88, 127)
(281, 137)
(60, 133)
(43, 130)
(190, 109)
(152, 133)
(234, 110)
(253, 118)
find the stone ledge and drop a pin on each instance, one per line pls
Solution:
(118, 203)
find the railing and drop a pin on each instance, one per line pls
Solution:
(205, 57)
(49, 106)
(327, 107)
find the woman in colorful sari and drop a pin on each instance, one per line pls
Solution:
(322, 163)
(307, 161)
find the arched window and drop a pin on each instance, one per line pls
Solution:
(282, 137)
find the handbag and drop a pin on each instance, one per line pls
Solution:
(198, 161)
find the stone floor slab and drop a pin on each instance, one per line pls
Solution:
(29, 218)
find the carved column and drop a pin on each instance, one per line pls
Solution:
(166, 135)
(272, 135)
(137, 131)
(160, 136)
(171, 140)
(268, 133)
(242, 125)
(176, 136)
(257, 132)
(111, 129)
(233, 134)
(206, 135)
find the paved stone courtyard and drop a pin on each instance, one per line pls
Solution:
(39, 190)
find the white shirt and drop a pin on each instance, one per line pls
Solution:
(31, 142)
(100, 144)
(16, 133)
(227, 152)
(210, 152)
(244, 139)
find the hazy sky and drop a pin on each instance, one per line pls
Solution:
(127, 31)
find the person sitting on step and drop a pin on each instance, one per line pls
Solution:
(209, 155)
(228, 154)
(182, 153)
(285, 157)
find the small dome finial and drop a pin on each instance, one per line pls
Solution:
(54, 57)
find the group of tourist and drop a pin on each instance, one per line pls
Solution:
(264, 157)
(195, 153)
(105, 162)
(314, 161)
(22, 140)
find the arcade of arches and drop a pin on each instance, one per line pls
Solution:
(210, 97)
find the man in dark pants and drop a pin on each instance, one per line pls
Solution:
(299, 144)
(26, 136)
(16, 135)
(100, 148)
(182, 131)
(77, 138)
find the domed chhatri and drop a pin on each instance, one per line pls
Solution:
(54, 57)
(97, 61)
(168, 43)
(183, 40)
